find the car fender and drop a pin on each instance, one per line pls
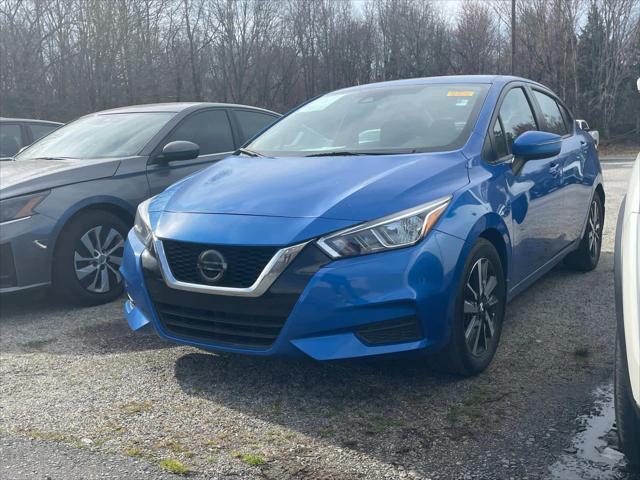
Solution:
(86, 203)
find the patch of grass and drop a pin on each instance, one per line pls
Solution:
(133, 452)
(133, 408)
(382, 424)
(253, 459)
(48, 436)
(174, 466)
(175, 447)
(474, 406)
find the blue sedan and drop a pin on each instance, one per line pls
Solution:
(379, 219)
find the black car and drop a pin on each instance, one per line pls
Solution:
(16, 133)
(68, 201)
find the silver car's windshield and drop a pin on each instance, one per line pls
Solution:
(99, 136)
(378, 120)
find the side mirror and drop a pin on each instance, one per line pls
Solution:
(179, 150)
(534, 144)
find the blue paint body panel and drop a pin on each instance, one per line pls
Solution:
(534, 214)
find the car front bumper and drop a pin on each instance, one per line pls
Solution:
(341, 311)
(25, 253)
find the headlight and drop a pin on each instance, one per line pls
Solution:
(394, 231)
(20, 207)
(142, 225)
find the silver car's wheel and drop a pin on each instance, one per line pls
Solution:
(88, 256)
(98, 257)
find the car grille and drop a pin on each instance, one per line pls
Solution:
(405, 329)
(251, 322)
(244, 264)
(220, 327)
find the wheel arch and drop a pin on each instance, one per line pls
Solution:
(115, 206)
(492, 228)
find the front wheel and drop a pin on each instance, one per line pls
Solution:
(479, 313)
(88, 255)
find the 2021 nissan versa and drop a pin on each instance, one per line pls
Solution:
(391, 217)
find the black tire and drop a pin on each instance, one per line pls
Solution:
(585, 258)
(460, 357)
(91, 228)
(627, 415)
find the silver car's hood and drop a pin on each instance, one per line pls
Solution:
(18, 177)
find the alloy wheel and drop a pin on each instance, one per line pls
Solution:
(97, 257)
(595, 229)
(481, 302)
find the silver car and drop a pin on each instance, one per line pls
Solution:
(627, 284)
(68, 201)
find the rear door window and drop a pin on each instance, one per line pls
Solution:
(10, 139)
(553, 120)
(40, 130)
(516, 115)
(210, 130)
(251, 123)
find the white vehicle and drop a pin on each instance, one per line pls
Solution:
(627, 284)
(595, 134)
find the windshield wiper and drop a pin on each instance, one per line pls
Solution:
(344, 153)
(50, 158)
(251, 153)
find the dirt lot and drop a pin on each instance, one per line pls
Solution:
(83, 397)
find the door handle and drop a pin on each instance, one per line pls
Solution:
(554, 168)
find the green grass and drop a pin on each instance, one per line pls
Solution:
(174, 466)
(253, 459)
(133, 452)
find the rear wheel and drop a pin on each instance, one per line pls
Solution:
(587, 255)
(479, 314)
(88, 255)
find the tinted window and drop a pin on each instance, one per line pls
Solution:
(252, 122)
(383, 119)
(10, 139)
(516, 115)
(100, 136)
(553, 120)
(500, 143)
(210, 130)
(40, 130)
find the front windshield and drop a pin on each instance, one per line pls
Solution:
(99, 136)
(378, 120)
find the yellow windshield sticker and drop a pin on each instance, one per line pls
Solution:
(460, 93)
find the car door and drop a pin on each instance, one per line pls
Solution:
(576, 181)
(210, 129)
(534, 188)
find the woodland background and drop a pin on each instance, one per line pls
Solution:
(60, 59)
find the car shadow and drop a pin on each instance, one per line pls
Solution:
(397, 410)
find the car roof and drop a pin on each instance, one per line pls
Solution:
(28, 120)
(176, 107)
(453, 79)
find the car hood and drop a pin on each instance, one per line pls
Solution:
(354, 188)
(19, 177)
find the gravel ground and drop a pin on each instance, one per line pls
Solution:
(78, 387)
